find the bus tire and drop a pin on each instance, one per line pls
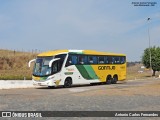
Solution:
(67, 83)
(108, 79)
(115, 79)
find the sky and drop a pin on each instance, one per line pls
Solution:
(103, 25)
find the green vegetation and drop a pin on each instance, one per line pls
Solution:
(14, 65)
(155, 59)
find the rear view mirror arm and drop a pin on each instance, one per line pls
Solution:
(55, 59)
(29, 63)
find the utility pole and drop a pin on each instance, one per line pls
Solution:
(150, 54)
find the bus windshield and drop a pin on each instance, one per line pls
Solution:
(41, 67)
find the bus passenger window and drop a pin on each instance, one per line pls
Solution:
(82, 59)
(92, 59)
(106, 60)
(109, 60)
(115, 60)
(101, 60)
(74, 59)
(69, 61)
(122, 60)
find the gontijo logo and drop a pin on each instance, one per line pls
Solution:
(106, 67)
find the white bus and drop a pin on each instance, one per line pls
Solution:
(70, 67)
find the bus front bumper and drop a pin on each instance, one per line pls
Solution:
(43, 83)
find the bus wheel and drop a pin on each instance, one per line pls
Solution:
(68, 83)
(108, 80)
(115, 79)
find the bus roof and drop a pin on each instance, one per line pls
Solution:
(89, 52)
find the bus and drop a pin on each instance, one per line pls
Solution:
(71, 67)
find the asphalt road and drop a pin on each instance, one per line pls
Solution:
(135, 95)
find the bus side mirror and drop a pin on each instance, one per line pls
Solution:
(29, 64)
(55, 59)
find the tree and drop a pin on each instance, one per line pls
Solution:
(155, 59)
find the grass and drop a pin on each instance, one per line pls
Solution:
(136, 72)
(14, 66)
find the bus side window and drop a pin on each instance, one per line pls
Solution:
(117, 59)
(82, 59)
(113, 60)
(101, 59)
(122, 60)
(74, 59)
(109, 59)
(69, 61)
(92, 59)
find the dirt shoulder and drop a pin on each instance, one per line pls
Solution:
(149, 87)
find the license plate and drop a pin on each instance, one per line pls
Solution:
(39, 83)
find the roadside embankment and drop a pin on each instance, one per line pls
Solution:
(8, 84)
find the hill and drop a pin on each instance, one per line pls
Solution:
(14, 64)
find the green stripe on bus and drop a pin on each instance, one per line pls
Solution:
(90, 71)
(83, 71)
(87, 72)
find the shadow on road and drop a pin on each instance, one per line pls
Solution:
(84, 85)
